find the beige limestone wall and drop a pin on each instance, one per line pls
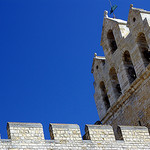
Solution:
(30, 136)
(132, 107)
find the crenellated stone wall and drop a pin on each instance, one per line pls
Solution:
(122, 85)
(30, 136)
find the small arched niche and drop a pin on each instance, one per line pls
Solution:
(112, 41)
(115, 83)
(129, 67)
(144, 48)
(104, 95)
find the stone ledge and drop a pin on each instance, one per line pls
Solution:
(24, 125)
(98, 127)
(64, 126)
(5, 140)
(133, 128)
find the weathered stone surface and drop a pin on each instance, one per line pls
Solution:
(122, 85)
(29, 136)
(127, 68)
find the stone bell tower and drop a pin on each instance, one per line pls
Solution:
(122, 77)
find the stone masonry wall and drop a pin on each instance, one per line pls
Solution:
(132, 106)
(30, 136)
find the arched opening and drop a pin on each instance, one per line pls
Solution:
(115, 83)
(129, 66)
(104, 95)
(112, 41)
(144, 48)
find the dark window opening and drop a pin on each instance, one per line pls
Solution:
(132, 73)
(134, 19)
(144, 48)
(103, 62)
(112, 41)
(129, 67)
(139, 123)
(98, 123)
(118, 133)
(97, 67)
(115, 83)
(104, 95)
(113, 45)
(106, 102)
(146, 54)
(118, 88)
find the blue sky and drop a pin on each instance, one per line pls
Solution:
(46, 53)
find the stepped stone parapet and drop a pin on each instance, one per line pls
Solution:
(29, 136)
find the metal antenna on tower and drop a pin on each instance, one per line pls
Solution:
(112, 8)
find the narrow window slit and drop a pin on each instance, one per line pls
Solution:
(139, 123)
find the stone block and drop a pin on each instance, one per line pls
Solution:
(31, 132)
(65, 132)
